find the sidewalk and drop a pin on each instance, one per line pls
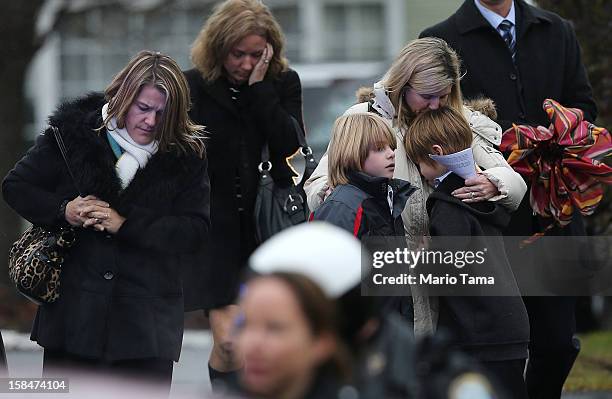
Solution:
(190, 377)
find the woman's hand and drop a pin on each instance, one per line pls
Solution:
(477, 189)
(103, 219)
(74, 209)
(259, 72)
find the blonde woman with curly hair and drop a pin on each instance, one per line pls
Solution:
(140, 163)
(244, 92)
(425, 75)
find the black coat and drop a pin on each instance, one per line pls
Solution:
(238, 131)
(490, 328)
(548, 63)
(121, 295)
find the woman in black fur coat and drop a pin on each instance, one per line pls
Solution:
(140, 162)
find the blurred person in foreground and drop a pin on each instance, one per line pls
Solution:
(386, 361)
(288, 339)
(382, 346)
(243, 90)
(140, 162)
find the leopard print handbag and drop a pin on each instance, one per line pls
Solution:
(35, 262)
(36, 258)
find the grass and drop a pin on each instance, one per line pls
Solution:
(592, 370)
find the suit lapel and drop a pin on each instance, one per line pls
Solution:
(469, 18)
(525, 17)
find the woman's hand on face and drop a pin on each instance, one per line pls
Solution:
(261, 68)
(476, 189)
(74, 209)
(103, 219)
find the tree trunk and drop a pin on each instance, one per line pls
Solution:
(18, 46)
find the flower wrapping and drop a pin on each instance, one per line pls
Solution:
(563, 163)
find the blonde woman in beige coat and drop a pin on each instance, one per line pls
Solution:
(424, 75)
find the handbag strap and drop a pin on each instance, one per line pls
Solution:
(62, 148)
(309, 161)
(301, 137)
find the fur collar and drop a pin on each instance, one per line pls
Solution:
(93, 163)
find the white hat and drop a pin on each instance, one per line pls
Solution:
(326, 254)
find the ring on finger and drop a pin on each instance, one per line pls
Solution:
(97, 220)
(266, 61)
(471, 194)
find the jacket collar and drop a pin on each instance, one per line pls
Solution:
(377, 187)
(219, 92)
(451, 183)
(468, 18)
(527, 16)
(485, 210)
(90, 158)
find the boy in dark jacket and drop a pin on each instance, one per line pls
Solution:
(493, 329)
(366, 200)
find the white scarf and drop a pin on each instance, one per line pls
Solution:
(134, 157)
(381, 103)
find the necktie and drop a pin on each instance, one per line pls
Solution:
(505, 28)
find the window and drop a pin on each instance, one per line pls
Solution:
(354, 32)
(97, 43)
(288, 19)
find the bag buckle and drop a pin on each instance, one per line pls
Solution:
(290, 203)
(267, 168)
(305, 151)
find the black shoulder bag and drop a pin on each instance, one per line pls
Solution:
(36, 258)
(277, 208)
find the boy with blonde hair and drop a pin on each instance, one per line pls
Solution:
(366, 200)
(492, 329)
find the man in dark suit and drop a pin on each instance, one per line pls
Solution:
(543, 62)
(519, 55)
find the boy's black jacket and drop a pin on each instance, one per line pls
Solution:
(480, 218)
(361, 207)
(489, 328)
